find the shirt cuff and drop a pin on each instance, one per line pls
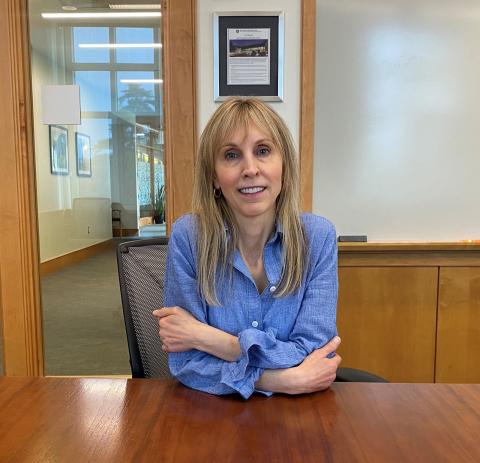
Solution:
(252, 338)
(239, 375)
(267, 393)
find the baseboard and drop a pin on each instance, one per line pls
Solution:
(71, 258)
(91, 376)
(121, 232)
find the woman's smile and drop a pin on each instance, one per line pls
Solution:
(251, 190)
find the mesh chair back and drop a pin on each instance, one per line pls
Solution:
(141, 270)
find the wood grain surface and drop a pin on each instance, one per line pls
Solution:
(179, 42)
(386, 318)
(107, 420)
(19, 256)
(458, 332)
(307, 102)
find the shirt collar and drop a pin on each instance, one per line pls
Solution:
(278, 230)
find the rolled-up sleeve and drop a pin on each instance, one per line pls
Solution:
(315, 324)
(194, 368)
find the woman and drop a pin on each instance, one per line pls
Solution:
(251, 284)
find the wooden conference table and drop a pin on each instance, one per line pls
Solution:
(119, 420)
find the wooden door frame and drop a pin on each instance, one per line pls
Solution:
(19, 256)
(20, 307)
(307, 101)
(180, 104)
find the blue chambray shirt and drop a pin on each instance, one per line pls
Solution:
(274, 332)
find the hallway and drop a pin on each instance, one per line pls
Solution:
(84, 332)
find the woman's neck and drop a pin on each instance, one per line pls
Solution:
(253, 234)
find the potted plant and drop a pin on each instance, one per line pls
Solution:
(159, 205)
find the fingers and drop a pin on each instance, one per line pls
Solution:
(334, 362)
(337, 359)
(163, 312)
(331, 346)
(157, 312)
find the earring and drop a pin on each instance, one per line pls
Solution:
(217, 192)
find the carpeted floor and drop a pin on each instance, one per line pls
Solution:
(84, 332)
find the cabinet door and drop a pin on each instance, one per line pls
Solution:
(458, 345)
(386, 319)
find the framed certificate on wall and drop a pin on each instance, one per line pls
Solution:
(84, 155)
(58, 150)
(248, 55)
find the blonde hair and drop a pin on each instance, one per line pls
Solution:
(215, 245)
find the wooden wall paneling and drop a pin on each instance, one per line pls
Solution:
(458, 341)
(412, 246)
(425, 258)
(307, 102)
(387, 320)
(19, 272)
(179, 17)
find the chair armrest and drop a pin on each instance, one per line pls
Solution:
(353, 375)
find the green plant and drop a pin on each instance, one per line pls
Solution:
(159, 205)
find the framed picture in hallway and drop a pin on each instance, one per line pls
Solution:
(58, 150)
(84, 155)
(248, 55)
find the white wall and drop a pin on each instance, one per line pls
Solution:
(397, 139)
(289, 108)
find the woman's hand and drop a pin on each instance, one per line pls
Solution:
(317, 371)
(177, 328)
(180, 331)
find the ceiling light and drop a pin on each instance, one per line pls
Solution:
(135, 7)
(113, 15)
(141, 81)
(119, 45)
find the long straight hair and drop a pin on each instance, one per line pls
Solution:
(217, 228)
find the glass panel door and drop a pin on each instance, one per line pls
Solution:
(99, 181)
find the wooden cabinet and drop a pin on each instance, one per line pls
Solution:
(458, 345)
(386, 319)
(411, 312)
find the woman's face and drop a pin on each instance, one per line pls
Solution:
(248, 170)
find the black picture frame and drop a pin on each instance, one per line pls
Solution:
(58, 140)
(83, 151)
(273, 22)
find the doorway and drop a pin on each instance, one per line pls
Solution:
(99, 180)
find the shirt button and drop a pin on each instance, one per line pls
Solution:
(272, 288)
(254, 323)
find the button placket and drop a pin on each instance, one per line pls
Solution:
(255, 307)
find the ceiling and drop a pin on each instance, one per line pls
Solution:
(102, 4)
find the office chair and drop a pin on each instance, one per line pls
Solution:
(141, 271)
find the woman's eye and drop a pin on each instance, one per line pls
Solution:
(263, 150)
(230, 155)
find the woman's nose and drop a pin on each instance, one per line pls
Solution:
(250, 167)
